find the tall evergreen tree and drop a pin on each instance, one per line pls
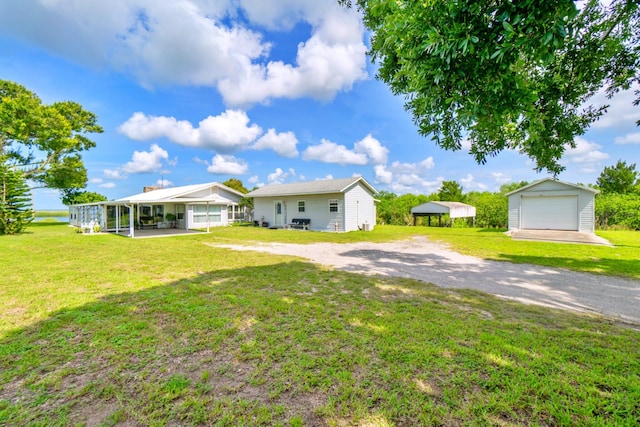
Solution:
(15, 210)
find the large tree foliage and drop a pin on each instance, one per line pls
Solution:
(504, 74)
(236, 184)
(75, 196)
(15, 201)
(620, 179)
(44, 141)
(450, 191)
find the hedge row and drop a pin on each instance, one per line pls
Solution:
(618, 211)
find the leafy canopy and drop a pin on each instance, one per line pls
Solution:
(75, 196)
(504, 74)
(43, 141)
(451, 191)
(619, 179)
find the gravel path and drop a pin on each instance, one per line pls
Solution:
(434, 263)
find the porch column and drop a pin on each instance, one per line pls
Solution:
(131, 221)
(208, 221)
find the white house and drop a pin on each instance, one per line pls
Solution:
(550, 204)
(346, 204)
(199, 206)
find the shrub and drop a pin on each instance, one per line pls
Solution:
(619, 211)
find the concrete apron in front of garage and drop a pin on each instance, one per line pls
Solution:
(558, 236)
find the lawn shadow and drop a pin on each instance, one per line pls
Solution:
(290, 343)
(232, 346)
(523, 279)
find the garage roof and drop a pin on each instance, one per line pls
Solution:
(568, 184)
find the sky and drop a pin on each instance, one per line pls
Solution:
(197, 91)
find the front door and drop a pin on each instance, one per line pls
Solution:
(279, 214)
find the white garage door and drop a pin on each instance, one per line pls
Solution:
(550, 213)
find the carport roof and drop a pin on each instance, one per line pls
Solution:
(443, 208)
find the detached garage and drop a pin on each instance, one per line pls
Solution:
(550, 204)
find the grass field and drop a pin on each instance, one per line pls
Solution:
(54, 213)
(105, 330)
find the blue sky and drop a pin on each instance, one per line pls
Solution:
(196, 91)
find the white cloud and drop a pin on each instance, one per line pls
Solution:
(382, 175)
(500, 178)
(415, 168)
(283, 143)
(200, 42)
(330, 152)
(329, 176)
(631, 138)
(278, 176)
(95, 181)
(332, 60)
(253, 180)
(469, 184)
(146, 161)
(107, 185)
(164, 183)
(373, 149)
(224, 133)
(227, 165)
(366, 151)
(585, 152)
(621, 112)
(403, 177)
(113, 174)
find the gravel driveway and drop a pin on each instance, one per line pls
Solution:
(435, 263)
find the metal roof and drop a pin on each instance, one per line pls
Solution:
(326, 186)
(177, 194)
(533, 184)
(454, 209)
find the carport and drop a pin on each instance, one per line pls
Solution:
(453, 209)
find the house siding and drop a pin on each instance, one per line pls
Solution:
(359, 209)
(316, 209)
(586, 209)
(514, 212)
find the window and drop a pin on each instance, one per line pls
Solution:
(333, 205)
(200, 214)
(301, 206)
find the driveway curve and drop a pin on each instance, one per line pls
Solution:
(433, 262)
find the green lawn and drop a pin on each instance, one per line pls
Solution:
(105, 330)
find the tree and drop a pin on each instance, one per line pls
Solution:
(620, 179)
(492, 209)
(451, 191)
(236, 184)
(15, 206)
(512, 186)
(74, 196)
(504, 74)
(43, 141)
